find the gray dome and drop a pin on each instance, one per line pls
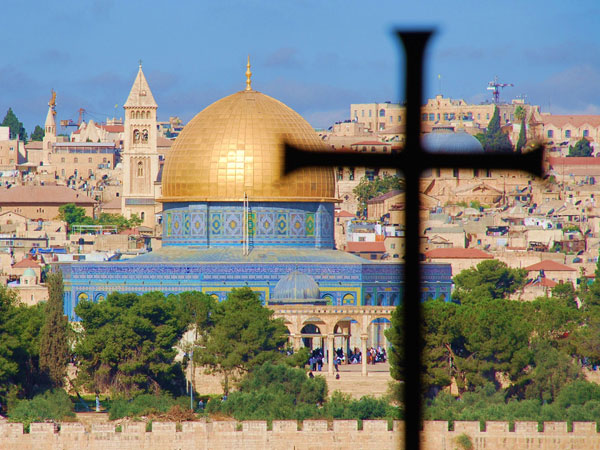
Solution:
(296, 286)
(445, 140)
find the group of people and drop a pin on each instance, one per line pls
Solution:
(375, 355)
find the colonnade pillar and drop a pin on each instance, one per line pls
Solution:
(330, 354)
(297, 341)
(363, 350)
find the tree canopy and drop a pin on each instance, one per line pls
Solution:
(17, 131)
(55, 351)
(244, 336)
(582, 148)
(368, 189)
(491, 279)
(75, 215)
(494, 140)
(128, 343)
(38, 134)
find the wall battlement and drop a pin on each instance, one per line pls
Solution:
(313, 434)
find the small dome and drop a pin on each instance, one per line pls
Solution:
(446, 140)
(296, 286)
(29, 272)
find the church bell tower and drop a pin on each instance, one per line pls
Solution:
(140, 155)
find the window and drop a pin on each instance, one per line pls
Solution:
(373, 256)
(362, 113)
(142, 215)
(438, 173)
(382, 113)
(475, 173)
(355, 113)
(90, 173)
(140, 169)
(399, 118)
(550, 133)
(445, 116)
(487, 116)
(351, 174)
(370, 113)
(455, 173)
(340, 173)
(488, 173)
(478, 116)
(424, 117)
(381, 126)
(568, 133)
(392, 245)
(62, 172)
(89, 160)
(373, 149)
(391, 119)
(136, 136)
(145, 136)
(586, 133)
(431, 116)
(438, 116)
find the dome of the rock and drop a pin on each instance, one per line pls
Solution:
(235, 147)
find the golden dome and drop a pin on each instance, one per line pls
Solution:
(235, 146)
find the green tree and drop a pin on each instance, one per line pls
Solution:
(38, 134)
(582, 148)
(128, 344)
(71, 214)
(520, 113)
(522, 140)
(55, 351)
(19, 346)
(494, 140)
(244, 336)
(491, 279)
(368, 189)
(17, 131)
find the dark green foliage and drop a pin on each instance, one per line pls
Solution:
(277, 392)
(522, 140)
(75, 215)
(494, 140)
(16, 128)
(395, 336)
(368, 189)
(19, 347)
(342, 406)
(55, 352)
(274, 392)
(145, 404)
(582, 148)
(38, 134)
(128, 344)
(244, 336)
(491, 279)
(51, 405)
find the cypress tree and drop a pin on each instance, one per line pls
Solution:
(54, 342)
(494, 140)
(522, 137)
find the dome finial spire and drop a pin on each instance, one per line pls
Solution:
(248, 76)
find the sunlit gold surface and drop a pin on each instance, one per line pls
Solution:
(235, 146)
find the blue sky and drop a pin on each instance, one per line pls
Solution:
(318, 57)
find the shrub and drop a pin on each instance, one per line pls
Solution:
(144, 405)
(49, 406)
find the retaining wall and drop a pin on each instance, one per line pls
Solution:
(314, 435)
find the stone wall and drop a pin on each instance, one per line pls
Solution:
(288, 434)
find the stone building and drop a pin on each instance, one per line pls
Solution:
(140, 154)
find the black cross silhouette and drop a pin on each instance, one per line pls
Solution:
(412, 161)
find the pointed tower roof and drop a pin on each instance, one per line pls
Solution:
(140, 94)
(50, 121)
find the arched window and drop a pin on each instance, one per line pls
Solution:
(140, 169)
(136, 136)
(348, 300)
(382, 113)
(372, 149)
(142, 215)
(145, 136)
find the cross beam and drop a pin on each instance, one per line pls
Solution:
(412, 160)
